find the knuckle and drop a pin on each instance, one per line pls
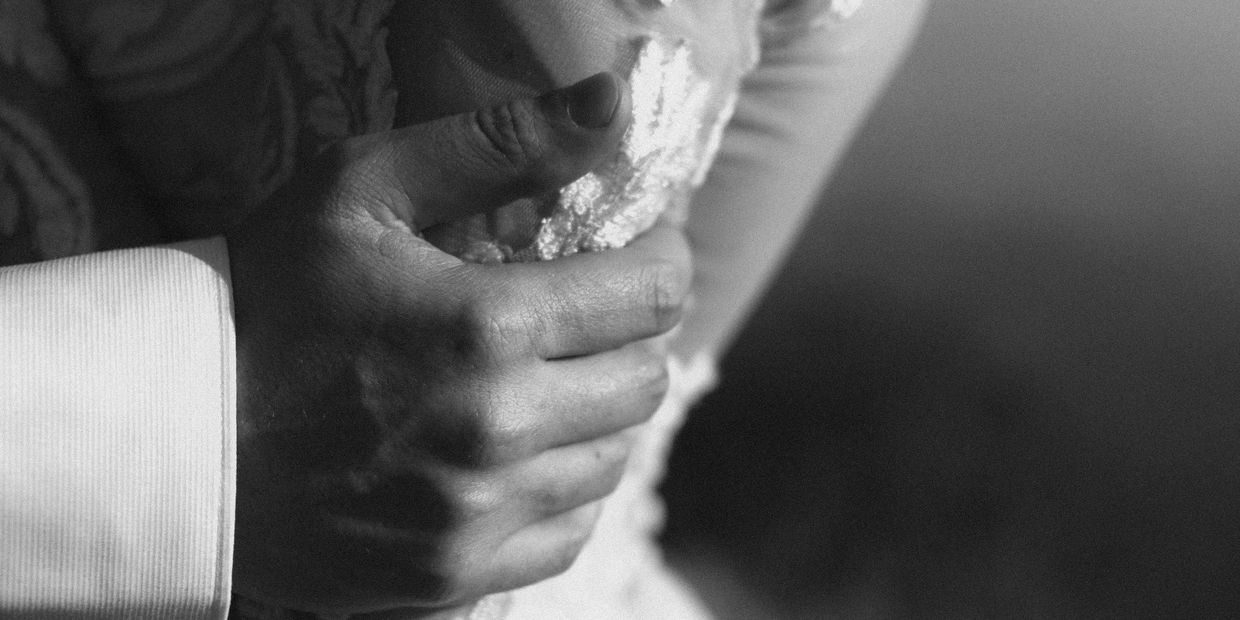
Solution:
(475, 501)
(487, 437)
(498, 443)
(473, 427)
(510, 136)
(486, 330)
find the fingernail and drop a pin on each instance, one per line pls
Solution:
(592, 102)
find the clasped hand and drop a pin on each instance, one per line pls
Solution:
(416, 431)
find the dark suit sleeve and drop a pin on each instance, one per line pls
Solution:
(63, 189)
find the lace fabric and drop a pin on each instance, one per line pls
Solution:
(678, 118)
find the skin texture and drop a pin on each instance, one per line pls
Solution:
(417, 431)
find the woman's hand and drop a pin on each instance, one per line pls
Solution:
(416, 431)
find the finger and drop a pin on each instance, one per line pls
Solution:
(543, 549)
(474, 162)
(594, 396)
(594, 301)
(568, 477)
(538, 407)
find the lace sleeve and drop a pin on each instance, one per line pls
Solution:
(785, 20)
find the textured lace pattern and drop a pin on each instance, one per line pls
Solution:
(678, 119)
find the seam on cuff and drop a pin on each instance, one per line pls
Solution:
(228, 439)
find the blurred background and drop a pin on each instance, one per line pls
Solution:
(1000, 375)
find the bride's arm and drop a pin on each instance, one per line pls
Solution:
(796, 115)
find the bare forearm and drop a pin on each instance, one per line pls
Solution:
(797, 115)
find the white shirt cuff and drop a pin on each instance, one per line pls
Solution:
(117, 434)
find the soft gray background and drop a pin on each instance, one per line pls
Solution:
(1000, 376)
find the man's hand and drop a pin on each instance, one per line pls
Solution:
(416, 431)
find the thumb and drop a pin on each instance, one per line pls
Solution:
(474, 162)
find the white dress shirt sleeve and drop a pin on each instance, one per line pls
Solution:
(117, 435)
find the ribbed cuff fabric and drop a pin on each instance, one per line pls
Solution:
(117, 435)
